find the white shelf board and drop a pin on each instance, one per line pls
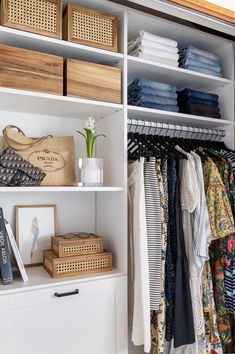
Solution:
(173, 117)
(54, 105)
(22, 39)
(39, 278)
(138, 67)
(59, 189)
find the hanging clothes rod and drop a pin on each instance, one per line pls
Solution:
(175, 127)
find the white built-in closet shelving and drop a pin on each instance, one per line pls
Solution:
(103, 210)
(182, 78)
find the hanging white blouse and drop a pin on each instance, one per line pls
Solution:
(201, 221)
(139, 272)
(190, 203)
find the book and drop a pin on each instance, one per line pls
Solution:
(16, 251)
(5, 263)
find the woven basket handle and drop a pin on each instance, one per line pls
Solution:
(27, 145)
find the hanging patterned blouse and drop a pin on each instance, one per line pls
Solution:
(212, 338)
(220, 213)
(158, 318)
(221, 256)
(230, 157)
(227, 176)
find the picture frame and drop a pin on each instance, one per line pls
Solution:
(35, 225)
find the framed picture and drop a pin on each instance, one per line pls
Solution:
(35, 224)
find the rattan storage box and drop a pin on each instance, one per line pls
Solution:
(93, 81)
(90, 27)
(64, 247)
(37, 16)
(76, 265)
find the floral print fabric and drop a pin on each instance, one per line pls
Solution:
(227, 176)
(218, 182)
(212, 338)
(221, 257)
(158, 319)
(220, 213)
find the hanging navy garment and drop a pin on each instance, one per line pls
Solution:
(170, 251)
(184, 326)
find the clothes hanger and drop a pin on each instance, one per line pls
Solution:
(180, 141)
(165, 142)
(221, 144)
(141, 146)
(145, 138)
(198, 142)
(187, 142)
(212, 146)
(172, 142)
(135, 148)
(158, 141)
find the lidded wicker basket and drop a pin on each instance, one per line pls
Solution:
(37, 16)
(76, 244)
(76, 265)
(90, 27)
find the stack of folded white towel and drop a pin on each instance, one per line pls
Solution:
(152, 47)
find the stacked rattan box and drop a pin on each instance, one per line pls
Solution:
(76, 254)
(80, 25)
(37, 16)
(90, 27)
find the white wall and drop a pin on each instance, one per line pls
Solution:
(228, 4)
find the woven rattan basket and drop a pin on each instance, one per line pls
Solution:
(76, 265)
(89, 27)
(76, 245)
(37, 16)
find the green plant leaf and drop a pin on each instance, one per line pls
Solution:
(81, 134)
(90, 141)
(100, 135)
(93, 141)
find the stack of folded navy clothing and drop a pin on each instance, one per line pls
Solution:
(199, 60)
(198, 103)
(151, 94)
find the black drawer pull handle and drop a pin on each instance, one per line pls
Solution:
(75, 292)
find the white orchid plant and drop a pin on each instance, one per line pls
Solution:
(90, 137)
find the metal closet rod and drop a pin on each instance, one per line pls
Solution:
(175, 127)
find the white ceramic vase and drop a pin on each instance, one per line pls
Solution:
(91, 171)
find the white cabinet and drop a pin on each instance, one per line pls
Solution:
(94, 321)
(85, 321)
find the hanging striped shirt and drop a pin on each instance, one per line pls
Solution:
(153, 219)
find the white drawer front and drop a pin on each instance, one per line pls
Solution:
(46, 296)
(84, 323)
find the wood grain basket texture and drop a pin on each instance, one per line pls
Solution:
(76, 265)
(92, 81)
(24, 69)
(90, 27)
(76, 246)
(37, 16)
